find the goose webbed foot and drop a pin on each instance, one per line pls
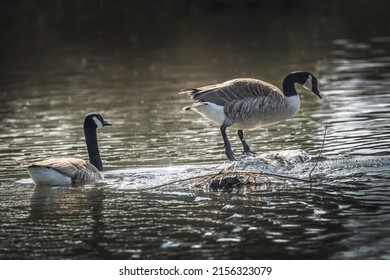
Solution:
(249, 153)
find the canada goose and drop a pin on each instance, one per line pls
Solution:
(67, 171)
(249, 103)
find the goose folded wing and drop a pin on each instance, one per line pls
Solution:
(78, 170)
(237, 89)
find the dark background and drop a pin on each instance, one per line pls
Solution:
(37, 25)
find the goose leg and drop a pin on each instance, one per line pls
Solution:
(247, 150)
(229, 152)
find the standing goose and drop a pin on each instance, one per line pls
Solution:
(68, 171)
(249, 103)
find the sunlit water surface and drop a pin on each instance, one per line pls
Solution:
(343, 214)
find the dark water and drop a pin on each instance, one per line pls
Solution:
(344, 214)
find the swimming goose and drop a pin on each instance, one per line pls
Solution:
(249, 103)
(68, 171)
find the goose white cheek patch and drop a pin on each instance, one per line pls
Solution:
(98, 122)
(308, 84)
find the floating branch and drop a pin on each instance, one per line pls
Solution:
(319, 154)
(231, 178)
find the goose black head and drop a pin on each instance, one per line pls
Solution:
(310, 82)
(95, 120)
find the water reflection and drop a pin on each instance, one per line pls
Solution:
(70, 222)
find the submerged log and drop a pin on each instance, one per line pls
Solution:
(255, 170)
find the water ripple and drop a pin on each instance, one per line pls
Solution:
(341, 214)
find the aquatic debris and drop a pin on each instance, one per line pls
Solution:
(229, 178)
(228, 181)
(320, 152)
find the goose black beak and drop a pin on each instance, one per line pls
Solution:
(317, 92)
(107, 123)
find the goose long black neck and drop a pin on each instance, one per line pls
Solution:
(92, 145)
(290, 80)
